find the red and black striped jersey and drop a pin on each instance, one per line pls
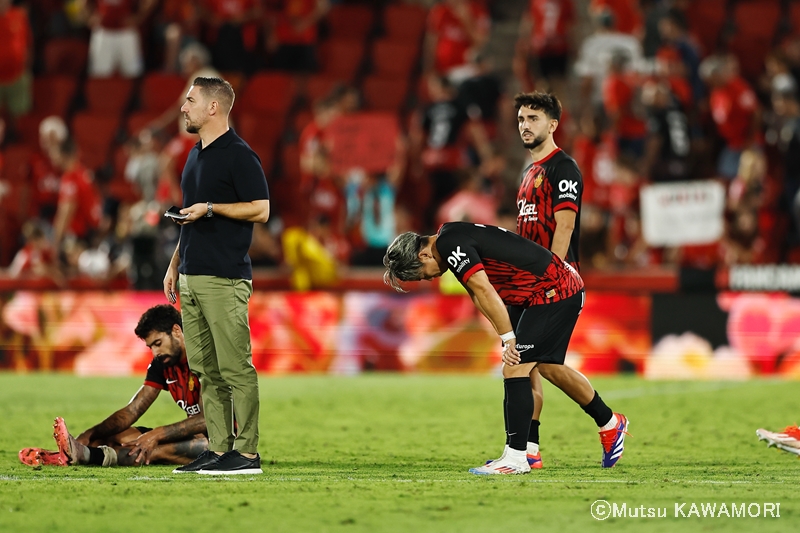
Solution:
(548, 186)
(522, 272)
(181, 383)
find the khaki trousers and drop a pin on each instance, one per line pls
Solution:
(217, 332)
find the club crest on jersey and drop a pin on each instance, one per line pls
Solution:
(191, 383)
(537, 181)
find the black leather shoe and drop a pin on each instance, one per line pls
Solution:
(233, 462)
(205, 459)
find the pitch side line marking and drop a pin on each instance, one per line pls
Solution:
(266, 479)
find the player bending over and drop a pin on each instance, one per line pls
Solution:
(787, 440)
(115, 441)
(500, 268)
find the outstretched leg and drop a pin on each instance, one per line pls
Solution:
(117, 451)
(613, 426)
(173, 453)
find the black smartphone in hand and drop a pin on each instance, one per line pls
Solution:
(175, 212)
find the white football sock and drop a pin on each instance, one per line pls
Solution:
(611, 423)
(516, 456)
(533, 448)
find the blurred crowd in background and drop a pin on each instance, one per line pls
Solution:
(374, 118)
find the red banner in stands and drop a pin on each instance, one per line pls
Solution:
(363, 140)
(91, 333)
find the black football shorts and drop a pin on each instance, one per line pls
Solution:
(543, 331)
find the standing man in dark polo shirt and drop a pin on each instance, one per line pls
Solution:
(224, 193)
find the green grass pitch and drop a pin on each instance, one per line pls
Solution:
(391, 453)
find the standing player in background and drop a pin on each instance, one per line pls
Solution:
(499, 268)
(549, 200)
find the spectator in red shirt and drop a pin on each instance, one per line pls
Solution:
(734, 109)
(294, 34)
(15, 56)
(115, 44)
(621, 101)
(36, 259)
(456, 28)
(543, 46)
(45, 177)
(79, 208)
(313, 155)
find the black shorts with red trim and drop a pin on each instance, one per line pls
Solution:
(543, 331)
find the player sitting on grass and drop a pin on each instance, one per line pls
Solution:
(115, 441)
(787, 440)
(500, 268)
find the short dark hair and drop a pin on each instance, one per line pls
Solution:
(538, 101)
(217, 89)
(402, 259)
(160, 318)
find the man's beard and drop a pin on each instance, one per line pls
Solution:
(174, 353)
(534, 143)
(192, 128)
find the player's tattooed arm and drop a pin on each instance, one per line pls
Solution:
(123, 418)
(191, 448)
(183, 429)
(147, 443)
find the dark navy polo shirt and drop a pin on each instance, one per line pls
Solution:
(226, 171)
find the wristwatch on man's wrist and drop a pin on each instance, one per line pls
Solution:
(210, 212)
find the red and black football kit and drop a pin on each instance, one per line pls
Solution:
(525, 275)
(181, 383)
(548, 186)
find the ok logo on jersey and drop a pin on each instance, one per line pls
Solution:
(456, 256)
(568, 186)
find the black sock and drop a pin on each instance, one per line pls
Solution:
(519, 409)
(533, 432)
(505, 412)
(96, 456)
(598, 410)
